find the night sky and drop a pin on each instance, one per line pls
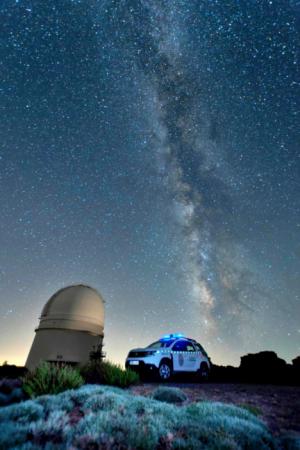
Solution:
(150, 148)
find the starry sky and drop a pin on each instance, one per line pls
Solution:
(150, 148)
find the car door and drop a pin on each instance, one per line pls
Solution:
(201, 354)
(191, 358)
(184, 356)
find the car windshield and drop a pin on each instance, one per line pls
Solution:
(161, 344)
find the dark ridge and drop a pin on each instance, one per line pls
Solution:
(263, 367)
(12, 371)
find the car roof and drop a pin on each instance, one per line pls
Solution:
(175, 339)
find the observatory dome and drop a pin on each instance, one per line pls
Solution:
(76, 307)
(71, 327)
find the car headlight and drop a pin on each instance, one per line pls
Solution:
(152, 352)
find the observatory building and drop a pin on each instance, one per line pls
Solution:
(71, 326)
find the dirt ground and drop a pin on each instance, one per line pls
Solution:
(279, 406)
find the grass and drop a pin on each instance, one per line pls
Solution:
(51, 379)
(110, 418)
(106, 372)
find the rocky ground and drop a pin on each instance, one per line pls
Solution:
(278, 406)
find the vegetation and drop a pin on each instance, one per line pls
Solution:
(11, 371)
(290, 442)
(106, 417)
(50, 378)
(10, 391)
(97, 354)
(115, 375)
(251, 408)
(169, 395)
(105, 372)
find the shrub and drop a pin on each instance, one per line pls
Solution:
(13, 435)
(4, 399)
(115, 375)
(105, 417)
(223, 409)
(11, 391)
(290, 442)
(93, 372)
(7, 385)
(55, 402)
(51, 379)
(169, 395)
(24, 412)
(251, 408)
(108, 373)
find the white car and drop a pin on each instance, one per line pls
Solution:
(173, 353)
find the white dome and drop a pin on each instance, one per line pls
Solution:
(76, 307)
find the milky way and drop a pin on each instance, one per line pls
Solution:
(150, 149)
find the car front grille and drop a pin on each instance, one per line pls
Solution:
(137, 354)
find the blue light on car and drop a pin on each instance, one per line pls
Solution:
(165, 336)
(172, 336)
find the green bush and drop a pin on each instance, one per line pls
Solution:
(169, 395)
(92, 372)
(50, 378)
(106, 417)
(105, 372)
(115, 375)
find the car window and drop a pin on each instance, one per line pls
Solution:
(161, 344)
(157, 344)
(183, 346)
(190, 348)
(200, 348)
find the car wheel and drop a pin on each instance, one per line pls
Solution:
(203, 372)
(165, 371)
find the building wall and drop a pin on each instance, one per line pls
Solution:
(62, 346)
